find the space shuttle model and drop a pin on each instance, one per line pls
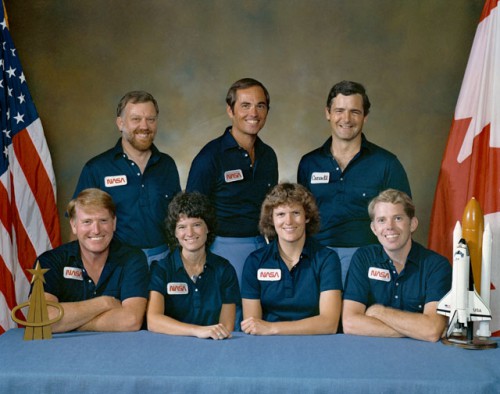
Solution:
(462, 304)
(471, 265)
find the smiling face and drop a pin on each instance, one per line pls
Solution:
(290, 223)
(191, 233)
(346, 117)
(249, 113)
(94, 229)
(393, 227)
(138, 124)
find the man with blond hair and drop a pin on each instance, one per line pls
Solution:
(100, 283)
(393, 288)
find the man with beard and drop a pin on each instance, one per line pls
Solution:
(141, 180)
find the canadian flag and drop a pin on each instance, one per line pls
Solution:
(471, 162)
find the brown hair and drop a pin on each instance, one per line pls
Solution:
(193, 205)
(135, 97)
(244, 83)
(285, 194)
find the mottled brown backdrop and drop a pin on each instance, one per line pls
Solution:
(80, 57)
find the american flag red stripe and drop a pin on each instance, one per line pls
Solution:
(37, 193)
(29, 222)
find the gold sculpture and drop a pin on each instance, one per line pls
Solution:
(38, 323)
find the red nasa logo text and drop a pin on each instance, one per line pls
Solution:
(233, 176)
(379, 274)
(73, 273)
(267, 274)
(115, 180)
(174, 288)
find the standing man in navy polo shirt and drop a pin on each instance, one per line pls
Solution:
(347, 172)
(101, 283)
(393, 289)
(235, 171)
(141, 179)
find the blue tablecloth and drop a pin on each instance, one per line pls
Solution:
(143, 362)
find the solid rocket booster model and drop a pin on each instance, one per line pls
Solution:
(472, 232)
(462, 303)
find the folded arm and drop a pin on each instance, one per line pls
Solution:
(382, 321)
(426, 326)
(356, 322)
(77, 314)
(160, 323)
(127, 316)
(325, 323)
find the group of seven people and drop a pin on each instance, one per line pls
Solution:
(305, 255)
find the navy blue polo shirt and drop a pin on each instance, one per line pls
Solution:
(343, 196)
(290, 295)
(141, 199)
(197, 303)
(373, 279)
(223, 171)
(124, 275)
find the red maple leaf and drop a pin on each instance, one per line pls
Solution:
(477, 176)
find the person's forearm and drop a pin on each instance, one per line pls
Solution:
(79, 313)
(166, 325)
(361, 324)
(121, 318)
(315, 325)
(410, 324)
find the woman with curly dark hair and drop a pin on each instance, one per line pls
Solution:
(293, 285)
(193, 292)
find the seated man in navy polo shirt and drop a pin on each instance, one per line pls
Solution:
(392, 289)
(101, 283)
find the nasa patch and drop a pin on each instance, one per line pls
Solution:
(115, 180)
(73, 273)
(176, 288)
(233, 176)
(379, 274)
(268, 274)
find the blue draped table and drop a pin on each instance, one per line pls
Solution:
(143, 362)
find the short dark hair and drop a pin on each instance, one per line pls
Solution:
(244, 83)
(193, 205)
(392, 196)
(347, 88)
(135, 97)
(285, 194)
(90, 199)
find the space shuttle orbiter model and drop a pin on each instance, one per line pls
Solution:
(462, 304)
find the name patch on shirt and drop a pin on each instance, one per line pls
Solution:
(115, 180)
(175, 288)
(73, 273)
(233, 176)
(268, 274)
(379, 274)
(320, 177)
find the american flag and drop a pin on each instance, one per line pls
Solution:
(29, 222)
